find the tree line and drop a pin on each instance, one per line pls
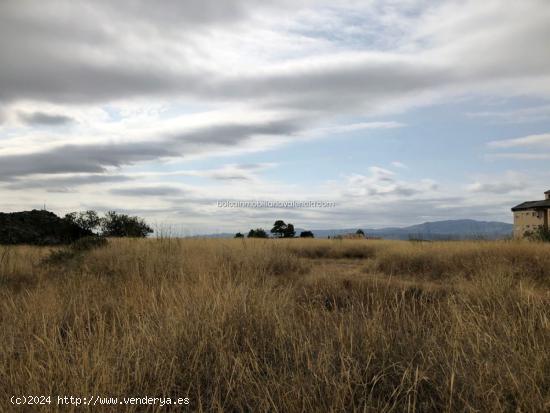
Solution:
(280, 230)
(112, 224)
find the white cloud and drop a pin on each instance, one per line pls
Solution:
(400, 165)
(511, 181)
(520, 156)
(383, 183)
(522, 115)
(525, 141)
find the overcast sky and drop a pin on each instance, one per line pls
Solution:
(399, 111)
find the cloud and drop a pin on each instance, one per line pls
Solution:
(41, 118)
(154, 191)
(64, 183)
(353, 127)
(118, 52)
(520, 156)
(99, 157)
(525, 141)
(232, 172)
(495, 188)
(80, 158)
(522, 115)
(383, 183)
(400, 165)
(541, 142)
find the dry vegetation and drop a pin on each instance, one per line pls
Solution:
(297, 325)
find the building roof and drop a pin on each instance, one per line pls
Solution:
(545, 204)
(547, 192)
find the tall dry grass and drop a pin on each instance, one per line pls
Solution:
(265, 325)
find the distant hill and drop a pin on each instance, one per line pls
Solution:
(38, 228)
(437, 230)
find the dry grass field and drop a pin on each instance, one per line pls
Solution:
(280, 326)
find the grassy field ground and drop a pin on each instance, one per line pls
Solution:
(273, 325)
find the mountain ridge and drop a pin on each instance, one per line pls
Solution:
(430, 230)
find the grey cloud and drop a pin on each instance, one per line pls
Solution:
(254, 166)
(148, 191)
(397, 189)
(338, 86)
(52, 58)
(232, 134)
(41, 118)
(192, 12)
(80, 158)
(228, 176)
(497, 187)
(96, 158)
(64, 183)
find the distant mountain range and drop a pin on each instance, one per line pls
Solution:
(438, 230)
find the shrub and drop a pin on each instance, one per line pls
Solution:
(540, 234)
(121, 225)
(76, 249)
(257, 233)
(89, 243)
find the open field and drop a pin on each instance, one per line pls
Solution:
(273, 325)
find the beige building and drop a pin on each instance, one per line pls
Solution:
(531, 215)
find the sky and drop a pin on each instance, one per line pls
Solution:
(397, 112)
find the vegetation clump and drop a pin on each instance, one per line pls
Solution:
(257, 233)
(540, 234)
(76, 249)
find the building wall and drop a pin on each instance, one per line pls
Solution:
(530, 220)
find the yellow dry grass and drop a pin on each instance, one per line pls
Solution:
(274, 325)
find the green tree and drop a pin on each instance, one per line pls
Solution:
(306, 234)
(239, 235)
(289, 231)
(257, 233)
(87, 220)
(121, 225)
(279, 228)
(360, 232)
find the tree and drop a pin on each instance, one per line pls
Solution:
(88, 220)
(279, 228)
(257, 233)
(282, 230)
(360, 232)
(289, 231)
(306, 234)
(239, 235)
(121, 225)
